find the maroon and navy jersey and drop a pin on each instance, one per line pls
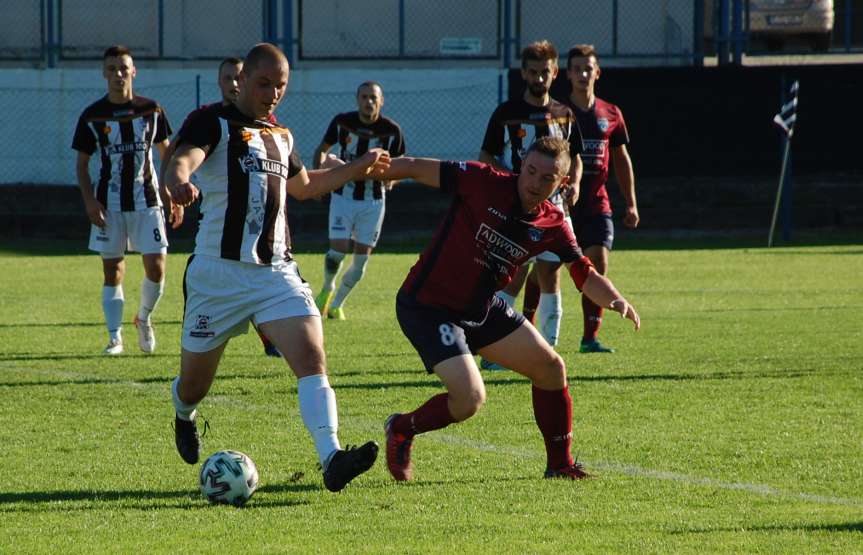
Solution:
(355, 138)
(242, 181)
(602, 128)
(483, 239)
(124, 134)
(516, 124)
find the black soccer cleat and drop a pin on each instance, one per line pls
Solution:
(347, 464)
(187, 439)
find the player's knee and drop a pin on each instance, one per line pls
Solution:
(464, 406)
(553, 375)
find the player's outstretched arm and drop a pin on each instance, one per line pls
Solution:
(320, 155)
(312, 184)
(423, 170)
(601, 291)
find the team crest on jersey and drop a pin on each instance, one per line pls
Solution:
(602, 123)
(246, 136)
(535, 234)
(252, 164)
(521, 133)
(106, 130)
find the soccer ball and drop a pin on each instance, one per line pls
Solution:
(228, 477)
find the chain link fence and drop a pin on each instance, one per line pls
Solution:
(444, 121)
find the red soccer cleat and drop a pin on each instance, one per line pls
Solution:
(573, 472)
(398, 452)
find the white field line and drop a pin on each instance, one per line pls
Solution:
(633, 470)
(620, 468)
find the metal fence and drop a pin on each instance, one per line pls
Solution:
(656, 33)
(440, 120)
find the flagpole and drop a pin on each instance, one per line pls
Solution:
(779, 190)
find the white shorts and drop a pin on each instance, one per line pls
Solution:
(142, 231)
(360, 220)
(549, 256)
(222, 296)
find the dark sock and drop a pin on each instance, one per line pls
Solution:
(592, 318)
(432, 415)
(553, 413)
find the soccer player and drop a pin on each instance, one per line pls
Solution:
(357, 209)
(124, 209)
(513, 126)
(242, 269)
(447, 305)
(604, 133)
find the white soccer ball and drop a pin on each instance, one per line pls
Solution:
(228, 477)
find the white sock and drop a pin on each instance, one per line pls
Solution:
(507, 298)
(112, 306)
(549, 315)
(318, 410)
(184, 411)
(151, 292)
(352, 276)
(332, 265)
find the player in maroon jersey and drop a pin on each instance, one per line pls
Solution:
(604, 133)
(447, 305)
(513, 126)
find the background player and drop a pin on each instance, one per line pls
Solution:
(242, 268)
(125, 209)
(513, 126)
(447, 305)
(604, 131)
(357, 209)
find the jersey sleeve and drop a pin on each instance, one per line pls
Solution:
(566, 247)
(619, 135)
(495, 135)
(465, 178)
(331, 135)
(84, 139)
(201, 129)
(295, 162)
(397, 144)
(163, 127)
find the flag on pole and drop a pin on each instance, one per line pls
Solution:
(787, 116)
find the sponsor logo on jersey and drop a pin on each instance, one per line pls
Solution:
(499, 246)
(252, 164)
(497, 213)
(126, 148)
(602, 123)
(594, 147)
(202, 327)
(535, 234)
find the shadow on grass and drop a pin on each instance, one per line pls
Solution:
(78, 500)
(840, 527)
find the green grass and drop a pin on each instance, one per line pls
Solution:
(733, 422)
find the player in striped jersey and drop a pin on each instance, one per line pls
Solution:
(514, 126)
(357, 209)
(605, 136)
(125, 209)
(242, 269)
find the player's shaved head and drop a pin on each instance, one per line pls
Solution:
(264, 54)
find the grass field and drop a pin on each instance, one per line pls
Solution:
(733, 422)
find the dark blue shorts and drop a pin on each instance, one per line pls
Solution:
(596, 229)
(438, 334)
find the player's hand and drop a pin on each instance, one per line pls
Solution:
(175, 218)
(374, 162)
(95, 212)
(631, 219)
(626, 310)
(183, 194)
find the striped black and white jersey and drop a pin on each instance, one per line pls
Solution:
(242, 180)
(355, 138)
(124, 134)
